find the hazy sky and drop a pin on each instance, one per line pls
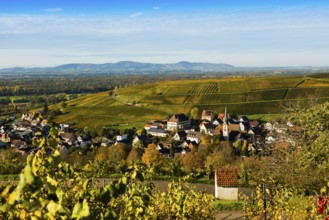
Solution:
(237, 32)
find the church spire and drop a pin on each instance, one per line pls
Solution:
(225, 116)
(225, 126)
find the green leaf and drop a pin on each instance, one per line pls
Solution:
(52, 181)
(76, 210)
(81, 210)
(12, 197)
(124, 180)
(53, 208)
(28, 174)
(323, 189)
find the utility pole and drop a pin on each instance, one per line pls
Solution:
(264, 199)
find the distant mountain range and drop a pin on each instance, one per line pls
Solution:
(125, 66)
(136, 67)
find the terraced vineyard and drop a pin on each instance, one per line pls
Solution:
(249, 95)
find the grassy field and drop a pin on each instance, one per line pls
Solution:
(134, 106)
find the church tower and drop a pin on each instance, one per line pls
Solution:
(225, 126)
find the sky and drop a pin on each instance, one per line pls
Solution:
(237, 32)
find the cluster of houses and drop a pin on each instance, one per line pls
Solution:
(190, 132)
(20, 134)
(177, 135)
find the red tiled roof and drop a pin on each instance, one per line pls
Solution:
(254, 123)
(147, 125)
(227, 176)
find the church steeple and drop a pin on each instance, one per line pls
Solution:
(225, 116)
(225, 126)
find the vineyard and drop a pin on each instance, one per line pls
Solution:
(204, 88)
(241, 95)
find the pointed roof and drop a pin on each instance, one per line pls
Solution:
(178, 118)
(225, 116)
(207, 113)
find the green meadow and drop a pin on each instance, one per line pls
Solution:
(134, 106)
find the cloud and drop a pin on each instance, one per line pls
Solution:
(198, 24)
(135, 15)
(156, 8)
(53, 10)
(215, 36)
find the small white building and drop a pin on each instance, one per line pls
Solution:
(63, 127)
(226, 183)
(122, 137)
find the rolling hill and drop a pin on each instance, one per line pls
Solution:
(133, 106)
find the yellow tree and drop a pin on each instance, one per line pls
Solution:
(135, 154)
(152, 156)
(102, 154)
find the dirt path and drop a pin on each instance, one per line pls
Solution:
(227, 215)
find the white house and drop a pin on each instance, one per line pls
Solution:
(207, 115)
(207, 128)
(179, 135)
(194, 136)
(178, 122)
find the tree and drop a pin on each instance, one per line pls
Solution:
(240, 147)
(152, 156)
(206, 139)
(195, 113)
(306, 157)
(45, 108)
(135, 153)
(221, 156)
(102, 154)
(192, 161)
(118, 152)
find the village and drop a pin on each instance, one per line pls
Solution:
(175, 136)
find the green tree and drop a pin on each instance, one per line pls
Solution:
(195, 113)
(118, 152)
